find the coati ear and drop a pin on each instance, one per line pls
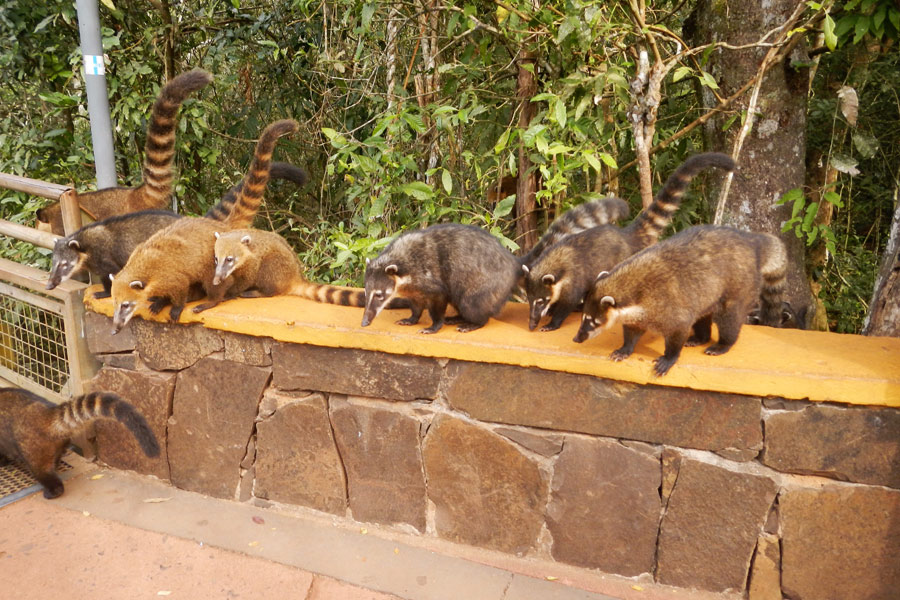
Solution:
(525, 269)
(137, 285)
(601, 275)
(74, 245)
(110, 276)
(607, 300)
(245, 240)
(216, 233)
(548, 279)
(391, 269)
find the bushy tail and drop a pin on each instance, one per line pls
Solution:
(580, 218)
(79, 411)
(773, 268)
(159, 151)
(329, 294)
(652, 220)
(279, 170)
(253, 186)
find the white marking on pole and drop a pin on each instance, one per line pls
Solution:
(93, 65)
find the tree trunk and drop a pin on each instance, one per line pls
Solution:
(884, 310)
(771, 158)
(526, 217)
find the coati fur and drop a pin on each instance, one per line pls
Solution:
(702, 275)
(254, 263)
(159, 151)
(445, 264)
(561, 276)
(103, 247)
(176, 264)
(35, 432)
(604, 211)
(790, 318)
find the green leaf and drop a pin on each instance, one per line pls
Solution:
(504, 207)
(834, 198)
(707, 80)
(560, 113)
(418, 190)
(830, 37)
(502, 142)
(861, 28)
(368, 11)
(894, 18)
(609, 160)
(543, 97)
(415, 122)
(44, 23)
(567, 27)
(810, 216)
(108, 4)
(681, 73)
(531, 133)
(447, 181)
(592, 160)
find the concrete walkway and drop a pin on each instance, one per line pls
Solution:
(117, 535)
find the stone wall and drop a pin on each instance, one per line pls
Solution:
(695, 489)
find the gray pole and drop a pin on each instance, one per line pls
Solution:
(98, 99)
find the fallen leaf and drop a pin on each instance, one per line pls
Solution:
(253, 544)
(164, 593)
(97, 476)
(396, 550)
(156, 500)
(85, 513)
(552, 578)
(364, 531)
(258, 520)
(637, 587)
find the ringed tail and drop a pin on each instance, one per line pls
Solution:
(652, 220)
(159, 149)
(774, 281)
(279, 170)
(78, 411)
(254, 183)
(329, 294)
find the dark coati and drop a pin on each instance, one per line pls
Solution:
(790, 318)
(604, 211)
(702, 275)
(159, 152)
(35, 432)
(176, 264)
(254, 263)
(445, 264)
(104, 247)
(563, 273)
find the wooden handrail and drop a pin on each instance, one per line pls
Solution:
(34, 187)
(44, 239)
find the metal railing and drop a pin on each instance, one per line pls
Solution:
(42, 344)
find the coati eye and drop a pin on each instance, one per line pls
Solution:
(539, 301)
(229, 259)
(378, 294)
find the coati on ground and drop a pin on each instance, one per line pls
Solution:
(253, 263)
(35, 433)
(701, 275)
(604, 211)
(159, 152)
(176, 264)
(104, 247)
(563, 273)
(445, 264)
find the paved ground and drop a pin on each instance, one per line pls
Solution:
(116, 535)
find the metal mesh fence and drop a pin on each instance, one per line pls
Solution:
(33, 343)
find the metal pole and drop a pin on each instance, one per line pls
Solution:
(98, 99)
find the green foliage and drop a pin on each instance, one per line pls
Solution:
(803, 217)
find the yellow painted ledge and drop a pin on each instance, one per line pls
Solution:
(788, 363)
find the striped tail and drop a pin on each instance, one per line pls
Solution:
(329, 294)
(580, 218)
(773, 268)
(652, 220)
(159, 150)
(254, 184)
(279, 170)
(79, 411)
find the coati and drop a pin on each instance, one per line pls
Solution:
(445, 264)
(604, 211)
(702, 275)
(159, 151)
(103, 247)
(253, 263)
(35, 432)
(176, 264)
(561, 276)
(790, 318)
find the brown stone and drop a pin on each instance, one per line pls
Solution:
(738, 454)
(486, 492)
(545, 445)
(584, 404)
(840, 541)
(297, 461)
(354, 372)
(174, 347)
(383, 461)
(151, 394)
(604, 510)
(847, 443)
(711, 526)
(671, 463)
(765, 576)
(248, 349)
(119, 361)
(216, 402)
(99, 336)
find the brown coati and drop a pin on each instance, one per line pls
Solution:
(253, 263)
(790, 318)
(35, 433)
(104, 247)
(445, 264)
(176, 264)
(559, 278)
(159, 152)
(604, 211)
(702, 275)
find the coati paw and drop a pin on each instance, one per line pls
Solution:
(201, 307)
(620, 354)
(467, 327)
(408, 321)
(156, 305)
(54, 492)
(433, 329)
(662, 365)
(102, 294)
(696, 341)
(717, 349)
(550, 327)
